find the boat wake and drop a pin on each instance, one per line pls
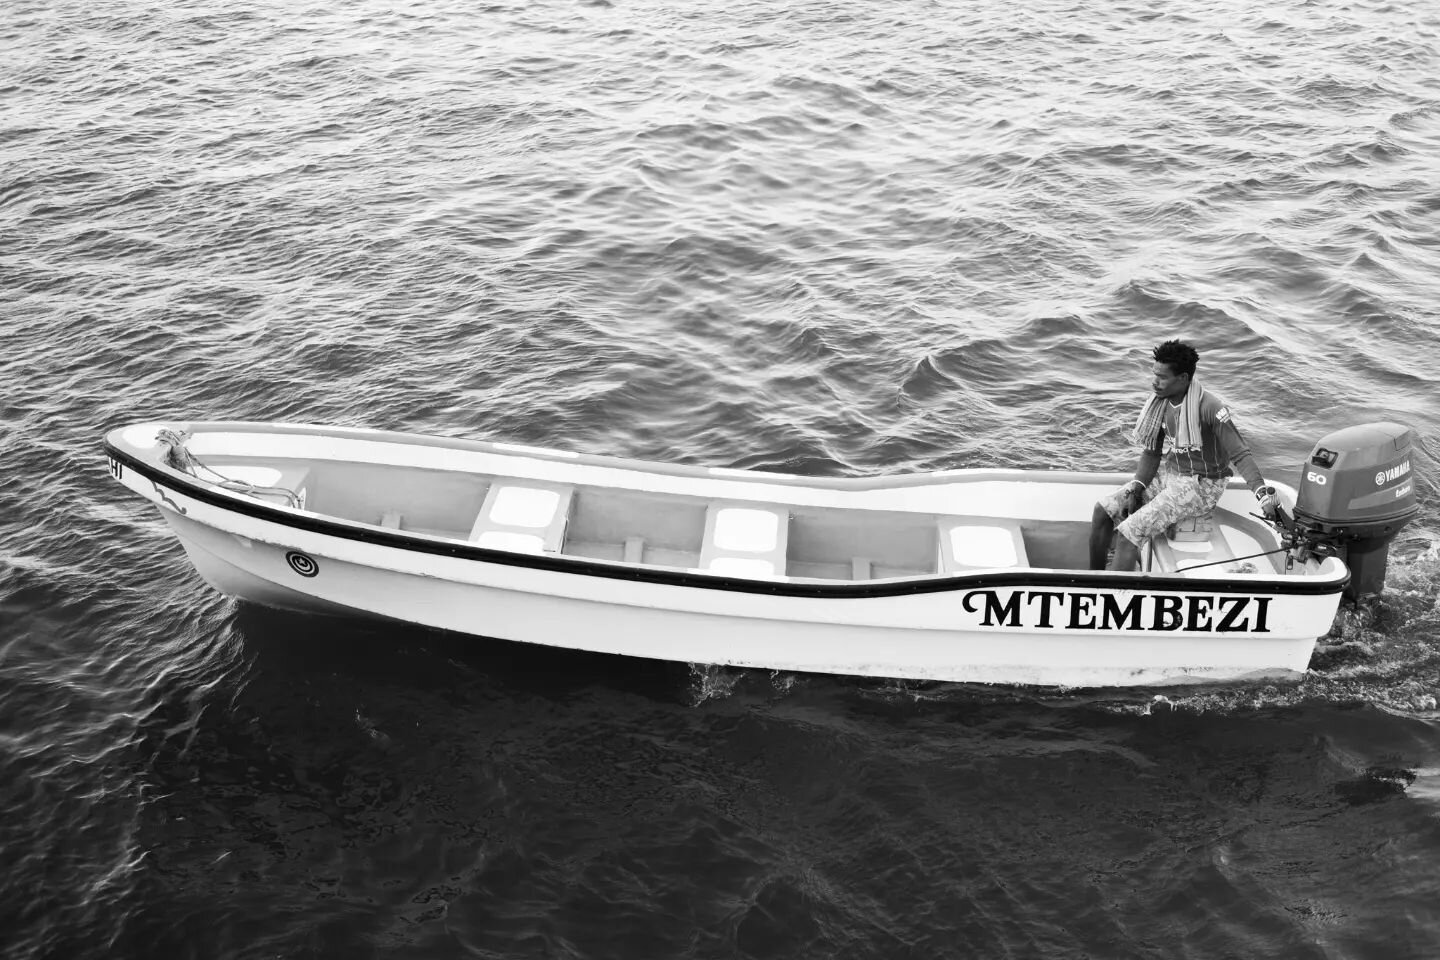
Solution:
(709, 681)
(1385, 653)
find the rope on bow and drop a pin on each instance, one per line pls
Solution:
(178, 457)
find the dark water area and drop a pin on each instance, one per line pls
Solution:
(830, 240)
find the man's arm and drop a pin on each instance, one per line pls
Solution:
(1147, 467)
(1236, 450)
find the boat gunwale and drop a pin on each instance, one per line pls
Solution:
(735, 474)
(177, 481)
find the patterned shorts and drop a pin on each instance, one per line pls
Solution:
(1171, 497)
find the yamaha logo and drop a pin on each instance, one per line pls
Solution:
(301, 564)
(1394, 473)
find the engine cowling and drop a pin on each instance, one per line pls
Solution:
(1356, 492)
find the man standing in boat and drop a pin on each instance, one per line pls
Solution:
(1188, 442)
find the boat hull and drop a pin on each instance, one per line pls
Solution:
(899, 637)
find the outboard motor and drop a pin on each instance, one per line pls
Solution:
(1355, 493)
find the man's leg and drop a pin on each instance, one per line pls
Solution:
(1102, 531)
(1127, 554)
(1150, 520)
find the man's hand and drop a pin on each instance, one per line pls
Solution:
(1269, 499)
(1133, 499)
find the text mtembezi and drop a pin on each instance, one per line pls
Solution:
(1084, 610)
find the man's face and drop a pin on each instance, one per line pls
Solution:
(1167, 383)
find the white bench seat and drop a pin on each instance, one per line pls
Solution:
(523, 517)
(980, 543)
(745, 539)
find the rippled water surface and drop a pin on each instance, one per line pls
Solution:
(826, 239)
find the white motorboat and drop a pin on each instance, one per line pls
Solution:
(964, 575)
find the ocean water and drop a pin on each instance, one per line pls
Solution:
(838, 239)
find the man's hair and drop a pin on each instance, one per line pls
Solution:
(1179, 355)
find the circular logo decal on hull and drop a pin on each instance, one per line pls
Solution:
(301, 564)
